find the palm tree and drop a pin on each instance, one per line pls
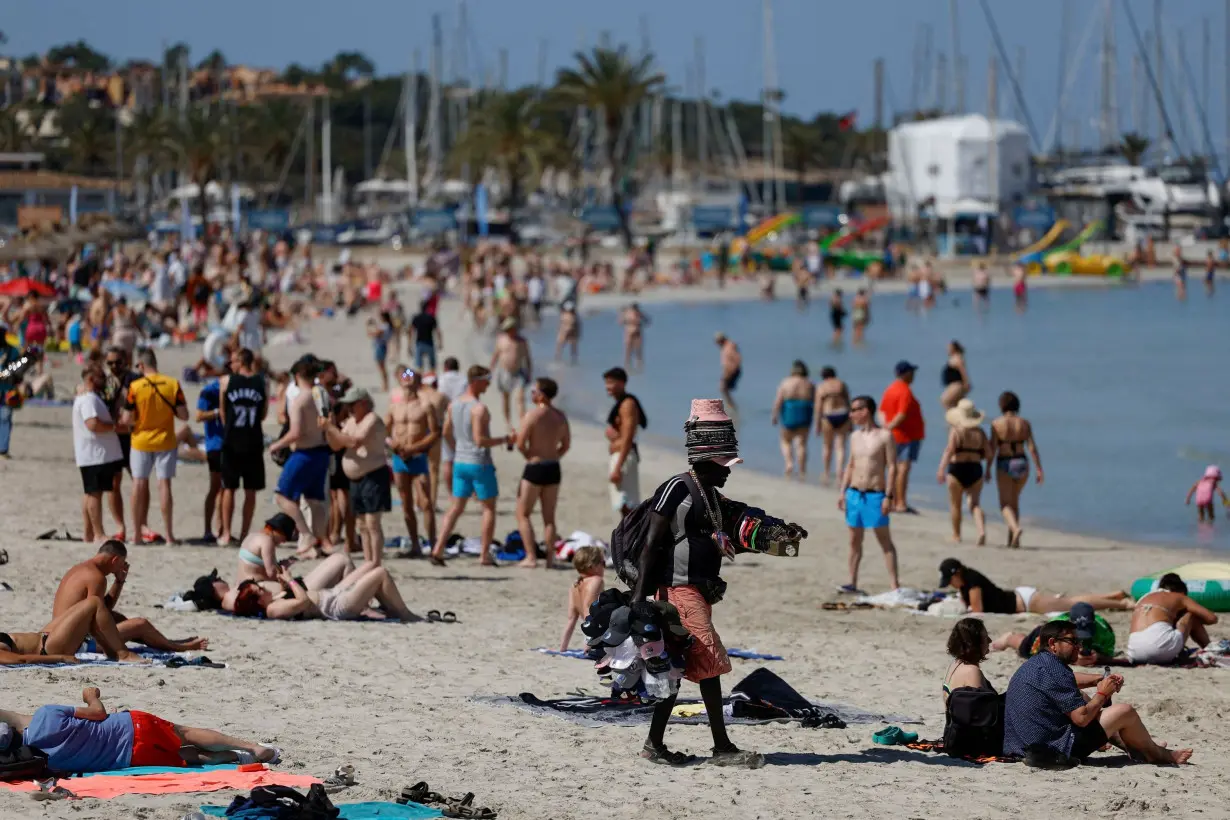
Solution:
(151, 148)
(1133, 146)
(504, 132)
(87, 135)
(201, 146)
(267, 135)
(612, 84)
(15, 132)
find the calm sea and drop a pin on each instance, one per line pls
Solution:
(1127, 389)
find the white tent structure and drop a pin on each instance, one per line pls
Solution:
(957, 166)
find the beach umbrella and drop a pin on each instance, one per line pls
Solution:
(121, 289)
(24, 286)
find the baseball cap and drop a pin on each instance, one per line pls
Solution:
(618, 629)
(948, 568)
(1081, 616)
(904, 367)
(353, 395)
(283, 525)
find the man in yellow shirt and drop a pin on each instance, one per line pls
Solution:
(153, 403)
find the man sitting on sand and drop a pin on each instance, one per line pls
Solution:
(87, 739)
(89, 580)
(1164, 619)
(1049, 721)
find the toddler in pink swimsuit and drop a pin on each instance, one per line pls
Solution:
(1204, 490)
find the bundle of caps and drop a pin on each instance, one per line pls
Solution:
(640, 647)
(760, 532)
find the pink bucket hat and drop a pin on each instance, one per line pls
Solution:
(1212, 471)
(711, 434)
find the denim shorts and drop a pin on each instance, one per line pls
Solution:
(909, 450)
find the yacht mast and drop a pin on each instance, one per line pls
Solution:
(1107, 123)
(958, 76)
(434, 144)
(410, 132)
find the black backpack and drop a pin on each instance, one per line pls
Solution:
(23, 763)
(629, 536)
(974, 723)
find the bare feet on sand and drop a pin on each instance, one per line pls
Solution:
(190, 644)
(128, 656)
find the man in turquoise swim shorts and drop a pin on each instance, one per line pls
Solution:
(864, 493)
(467, 431)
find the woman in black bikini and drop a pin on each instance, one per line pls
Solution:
(59, 640)
(961, 465)
(954, 377)
(1011, 437)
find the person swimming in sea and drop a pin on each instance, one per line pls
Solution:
(1204, 489)
(1019, 290)
(982, 285)
(1210, 273)
(793, 408)
(1180, 274)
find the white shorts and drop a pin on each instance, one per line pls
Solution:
(161, 464)
(1156, 643)
(1027, 594)
(628, 492)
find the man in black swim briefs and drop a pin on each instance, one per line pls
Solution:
(544, 438)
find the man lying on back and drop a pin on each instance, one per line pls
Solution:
(89, 579)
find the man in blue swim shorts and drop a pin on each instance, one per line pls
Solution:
(413, 432)
(307, 468)
(865, 494)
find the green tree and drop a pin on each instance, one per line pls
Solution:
(1133, 146)
(78, 55)
(612, 84)
(87, 136)
(504, 133)
(201, 145)
(16, 135)
(801, 145)
(148, 141)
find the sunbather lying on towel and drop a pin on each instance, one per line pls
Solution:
(58, 641)
(211, 592)
(89, 580)
(258, 554)
(347, 601)
(87, 739)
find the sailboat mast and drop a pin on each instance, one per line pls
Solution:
(702, 119)
(958, 78)
(410, 132)
(326, 161)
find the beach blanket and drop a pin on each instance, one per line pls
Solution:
(743, 654)
(157, 658)
(141, 771)
(179, 781)
(1191, 658)
(361, 811)
(937, 746)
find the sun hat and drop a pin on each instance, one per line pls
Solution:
(1212, 472)
(353, 395)
(710, 434)
(965, 415)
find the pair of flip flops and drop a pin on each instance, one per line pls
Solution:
(894, 736)
(446, 617)
(422, 794)
(55, 535)
(176, 662)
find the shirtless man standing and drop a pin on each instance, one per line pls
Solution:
(543, 439)
(793, 408)
(863, 494)
(569, 332)
(511, 368)
(89, 580)
(832, 421)
(621, 424)
(365, 462)
(306, 470)
(732, 368)
(99, 309)
(634, 323)
(414, 430)
(432, 397)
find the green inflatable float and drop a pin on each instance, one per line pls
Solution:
(1208, 584)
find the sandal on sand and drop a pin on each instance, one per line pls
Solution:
(465, 808)
(448, 617)
(4, 557)
(666, 757)
(737, 757)
(342, 778)
(433, 615)
(48, 790)
(419, 793)
(152, 538)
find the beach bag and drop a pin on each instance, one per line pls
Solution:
(628, 542)
(23, 763)
(974, 723)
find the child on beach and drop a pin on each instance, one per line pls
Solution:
(590, 564)
(1204, 489)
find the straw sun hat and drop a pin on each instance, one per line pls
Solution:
(965, 415)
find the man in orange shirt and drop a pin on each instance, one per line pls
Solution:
(902, 414)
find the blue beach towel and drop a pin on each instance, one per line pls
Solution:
(362, 811)
(743, 654)
(137, 771)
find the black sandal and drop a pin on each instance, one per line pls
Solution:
(419, 793)
(465, 808)
(666, 757)
(433, 615)
(448, 617)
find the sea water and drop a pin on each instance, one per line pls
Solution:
(1127, 389)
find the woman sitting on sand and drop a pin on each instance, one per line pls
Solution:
(347, 601)
(954, 377)
(1011, 437)
(961, 465)
(59, 640)
(973, 710)
(981, 595)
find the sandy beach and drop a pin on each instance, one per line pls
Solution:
(396, 700)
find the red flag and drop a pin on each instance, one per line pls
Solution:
(847, 122)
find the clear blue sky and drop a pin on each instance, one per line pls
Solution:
(825, 48)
